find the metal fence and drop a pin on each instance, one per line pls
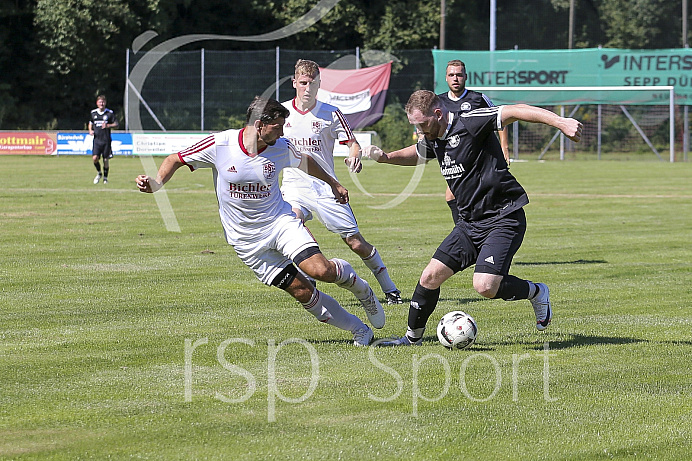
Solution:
(201, 90)
(206, 90)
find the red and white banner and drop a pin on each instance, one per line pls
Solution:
(359, 93)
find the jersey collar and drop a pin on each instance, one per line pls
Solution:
(450, 118)
(303, 112)
(242, 145)
(452, 97)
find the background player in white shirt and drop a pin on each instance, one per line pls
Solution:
(261, 226)
(313, 128)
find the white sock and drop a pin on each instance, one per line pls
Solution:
(347, 278)
(379, 270)
(533, 290)
(416, 333)
(327, 309)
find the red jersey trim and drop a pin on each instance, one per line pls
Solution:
(302, 112)
(242, 146)
(195, 148)
(347, 127)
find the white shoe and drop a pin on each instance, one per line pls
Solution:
(541, 307)
(362, 336)
(105, 180)
(373, 309)
(97, 178)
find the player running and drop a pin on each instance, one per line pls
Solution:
(261, 226)
(491, 222)
(461, 99)
(313, 127)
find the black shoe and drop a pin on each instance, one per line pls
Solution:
(394, 297)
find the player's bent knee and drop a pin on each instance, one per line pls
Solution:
(485, 286)
(313, 263)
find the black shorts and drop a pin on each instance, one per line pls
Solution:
(489, 245)
(102, 149)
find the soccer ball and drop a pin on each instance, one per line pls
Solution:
(457, 330)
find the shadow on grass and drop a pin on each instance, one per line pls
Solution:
(590, 340)
(550, 263)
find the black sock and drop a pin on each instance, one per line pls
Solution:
(98, 167)
(105, 172)
(452, 204)
(423, 303)
(513, 288)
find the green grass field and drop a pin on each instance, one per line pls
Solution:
(120, 339)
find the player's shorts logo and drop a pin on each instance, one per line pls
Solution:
(269, 171)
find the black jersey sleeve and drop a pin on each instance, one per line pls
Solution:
(424, 148)
(482, 121)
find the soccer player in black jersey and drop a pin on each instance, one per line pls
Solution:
(460, 98)
(101, 120)
(490, 202)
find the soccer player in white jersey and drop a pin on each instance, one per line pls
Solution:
(260, 225)
(313, 127)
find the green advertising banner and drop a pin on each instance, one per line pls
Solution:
(585, 76)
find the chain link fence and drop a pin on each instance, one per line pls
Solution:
(208, 90)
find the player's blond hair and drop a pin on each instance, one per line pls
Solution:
(456, 63)
(423, 100)
(307, 67)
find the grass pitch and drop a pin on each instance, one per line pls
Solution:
(121, 339)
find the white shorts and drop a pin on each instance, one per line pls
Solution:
(336, 217)
(268, 256)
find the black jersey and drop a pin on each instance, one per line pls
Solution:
(469, 100)
(98, 120)
(471, 161)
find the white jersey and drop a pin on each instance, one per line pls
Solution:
(247, 187)
(314, 133)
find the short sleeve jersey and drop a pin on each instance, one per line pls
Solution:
(469, 100)
(472, 163)
(98, 121)
(314, 132)
(246, 186)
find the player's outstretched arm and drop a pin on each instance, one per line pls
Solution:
(314, 169)
(406, 156)
(168, 167)
(570, 127)
(353, 160)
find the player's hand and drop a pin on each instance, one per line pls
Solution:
(373, 152)
(147, 184)
(354, 164)
(341, 193)
(573, 129)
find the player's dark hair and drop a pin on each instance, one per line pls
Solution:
(423, 100)
(266, 110)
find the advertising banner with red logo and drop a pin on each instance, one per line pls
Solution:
(28, 143)
(359, 93)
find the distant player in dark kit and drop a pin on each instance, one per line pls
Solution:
(101, 121)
